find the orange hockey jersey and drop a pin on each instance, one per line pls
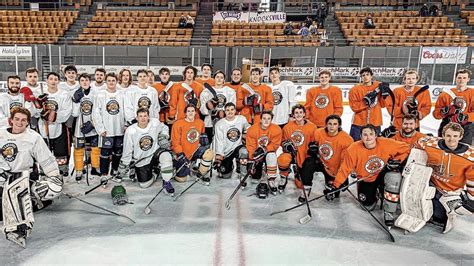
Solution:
(356, 102)
(269, 139)
(409, 140)
(332, 149)
(401, 98)
(301, 137)
(209, 81)
(266, 99)
(179, 99)
(464, 99)
(451, 170)
(164, 113)
(320, 103)
(367, 164)
(185, 136)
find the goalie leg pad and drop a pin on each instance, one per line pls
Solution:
(415, 197)
(391, 193)
(17, 209)
(206, 161)
(79, 159)
(166, 165)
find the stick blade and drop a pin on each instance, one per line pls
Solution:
(305, 219)
(147, 210)
(227, 205)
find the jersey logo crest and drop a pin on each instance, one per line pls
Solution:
(86, 107)
(113, 107)
(460, 103)
(326, 151)
(233, 134)
(9, 152)
(192, 135)
(145, 143)
(221, 101)
(15, 104)
(439, 172)
(374, 165)
(144, 102)
(297, 138)
(322, 101)
(277, 97)
(262, 141)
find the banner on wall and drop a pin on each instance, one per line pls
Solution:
(443, 55)
(338, 71)
(254, 17)
(23, 53)
(175, 70)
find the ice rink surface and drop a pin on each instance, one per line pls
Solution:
(198, 230)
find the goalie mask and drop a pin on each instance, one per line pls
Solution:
(119, 195)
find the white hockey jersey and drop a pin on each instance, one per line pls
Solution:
(141, 143)
(224, 95)
(61, 102)
(108, 113)
(228, 134)
(283, 100)
(37, 90)
(136, 97)
(97, 87)
(20, 150)
(69, 88)
(83, 111)
(7, 102)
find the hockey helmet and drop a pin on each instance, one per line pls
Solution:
(119, 195)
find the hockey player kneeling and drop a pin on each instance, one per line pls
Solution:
(228, 143)
(21, 147)
(376, 161)
(190, 144)
(147, 145)
(452, 170)
(263, 139)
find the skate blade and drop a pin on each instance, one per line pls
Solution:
(305, 219)
(16, 239)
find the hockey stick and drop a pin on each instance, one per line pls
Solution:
(307, 217)
(98, 207)
(318, 197)
(85, 150)
(241, 183)
(186, 189)
(147, 209)
(103, 182)
(375, 218)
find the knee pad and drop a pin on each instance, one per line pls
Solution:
(105, 152)
(206, 161)
(144, 176)
(367, 194)
(284, 161)
(227, 165)
(95, 153)
(391, 191)
(166, 166)
(79, 159)
(243, 153)
(94, 141)
(182, 169)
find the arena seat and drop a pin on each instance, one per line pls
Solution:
(136, 28)
(469, 16)
(34, 27)
(400, 28)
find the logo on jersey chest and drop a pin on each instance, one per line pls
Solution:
(277, 97)
(221, 101)
(86, 107)
(145, 143)
(192, 135)
(297, 138)
(326, 151)
(51, 105)
(9, 152)
(262, 141)
(460, 103)
(144, 102)
(112, 107)
(321, 101)
(233, 134)
(15, 104)
(440, 173)
(374, 165)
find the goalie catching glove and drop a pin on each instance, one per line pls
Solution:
(47, 188)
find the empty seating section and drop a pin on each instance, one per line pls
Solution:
(34, 27)
(153, 2)
(256, 34)
(393, 2)
(136, 28)
(469, 16)
(10, 3)
(400, 28)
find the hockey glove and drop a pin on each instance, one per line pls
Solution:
(41, 100)
(393, 165)
(259, 155)
(251, 100)
(449, 111)
(461, 119)
(47, 188)
(389, 132)
(203, 140)
(164, 142)
(288, 146)
(218, 162)
(78, 95)
(212, 103)
(28, 94)
(384, 89)
(193, 101)
(313, 150)
(87, 127)
(48, 115)
(122, 170)
(370, 99)
(329, 192)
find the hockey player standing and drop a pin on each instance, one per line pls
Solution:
(20, 148)
(298, 136)
(263, 140)
(261, 99)
(206, 75)
(228, 144)
(187, 92)
(55, 108)
(457, 105)
(141, 96)
(108, 118)
(13, 98)
(213, 99)
(283, 97)
(236, 84)
(124, 79)
(147, 144)
(164, 89)
(84, 132)
(71, 84)
(453, 170)
(190, 143)
(366, 101)
(33, 89)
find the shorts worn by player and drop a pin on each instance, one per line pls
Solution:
(406, 103)
(320, 103)
(136, 97)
